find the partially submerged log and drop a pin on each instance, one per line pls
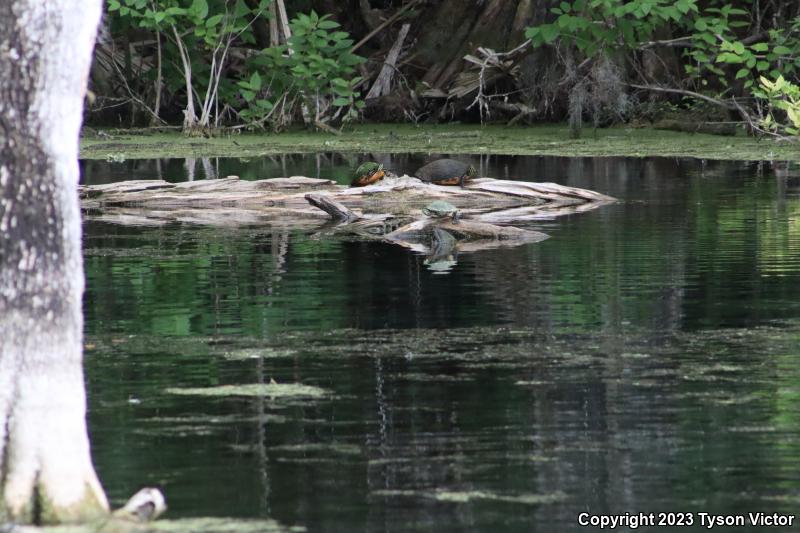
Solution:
(389, 210)
(231, 201)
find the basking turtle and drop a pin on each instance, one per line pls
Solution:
(441, 209)
(367, 174)
(447, 172)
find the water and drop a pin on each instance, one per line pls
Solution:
(642, 359)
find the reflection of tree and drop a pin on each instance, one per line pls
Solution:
(46, 473)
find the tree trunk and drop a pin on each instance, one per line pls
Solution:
(46, 473)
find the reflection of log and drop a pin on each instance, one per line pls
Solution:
(471, 236)
(282, 201)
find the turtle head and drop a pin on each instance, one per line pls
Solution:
(471, 173)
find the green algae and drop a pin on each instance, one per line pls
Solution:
(449, 138)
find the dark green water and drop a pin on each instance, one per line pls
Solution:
(645, 358)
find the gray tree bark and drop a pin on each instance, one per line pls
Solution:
(46, 473)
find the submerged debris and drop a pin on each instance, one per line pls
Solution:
(271, 390)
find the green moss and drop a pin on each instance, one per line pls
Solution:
(450, 138)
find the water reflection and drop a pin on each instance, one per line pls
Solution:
(641, 359)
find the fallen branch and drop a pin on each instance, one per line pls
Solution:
(336, 210)
(383, 83)
(386, 23)
(322, 126)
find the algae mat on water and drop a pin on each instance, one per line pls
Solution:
(449, 138)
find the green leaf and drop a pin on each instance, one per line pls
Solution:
(113, 5)
(708, 38)
(549, 32)
(700, 25)
(728, 57)
(760, 47)
(742, 73)
(762, 66)
(565, 7)
(213, 21)
(199, 8)
(781, 50)
(339, 102)
(265, 104)
(247, 95)
(255, 81)
(328, 24)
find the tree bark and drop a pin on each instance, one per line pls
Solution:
(46, 473)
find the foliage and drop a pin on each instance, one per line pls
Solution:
(783, 95)
(719, 57)
(314, 69)
(715, 42)
(599, 26)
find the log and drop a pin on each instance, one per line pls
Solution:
(726, 128)
(336, 210)
(228, 200)
(390, 210)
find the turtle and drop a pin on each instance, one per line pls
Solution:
(441, 209)
(367, 174)
(447, 172)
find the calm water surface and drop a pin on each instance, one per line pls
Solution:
(645, 358)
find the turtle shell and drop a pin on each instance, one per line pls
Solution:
(446, 172)
(439, 209)
(367, 174)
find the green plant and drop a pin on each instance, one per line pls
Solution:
(783, 95)
(314, 71)
(200, 33)
(713, 38)
(599, 26)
